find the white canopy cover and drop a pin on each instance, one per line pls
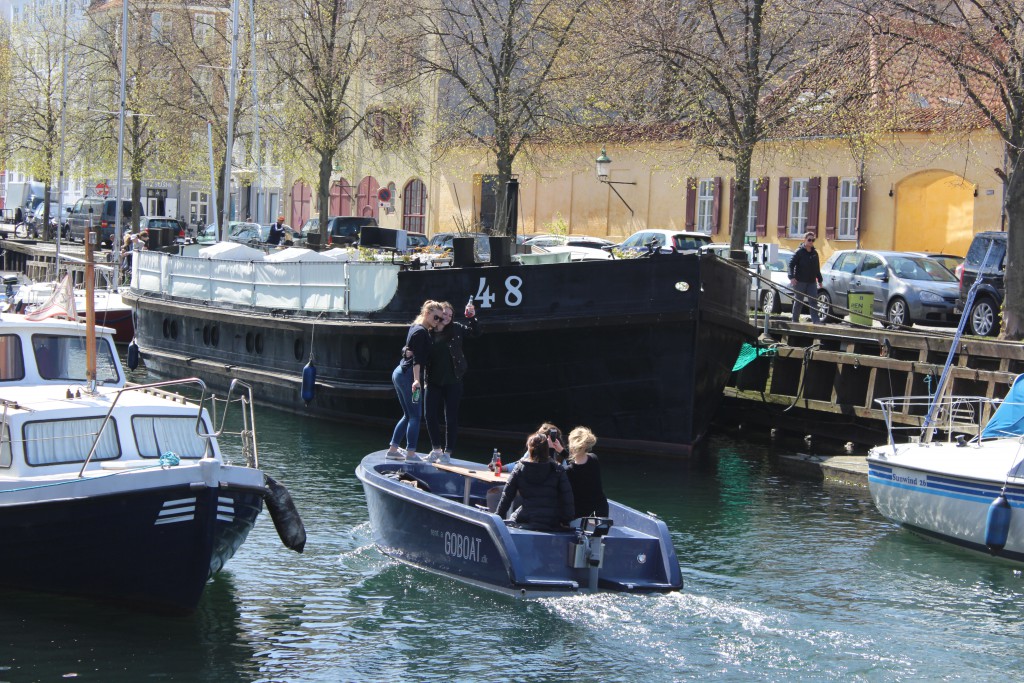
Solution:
(231, 251)
(292, 254)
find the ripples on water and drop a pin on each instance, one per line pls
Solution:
(785, 580)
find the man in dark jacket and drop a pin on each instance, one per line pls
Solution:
(544, 487)
(804, 278)
(276, 232)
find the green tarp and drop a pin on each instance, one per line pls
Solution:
(749, 353)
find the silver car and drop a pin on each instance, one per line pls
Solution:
(907, 288)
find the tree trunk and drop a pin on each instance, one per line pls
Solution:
(1013, 301)
(504, 164)
(740, 204)
(323, 191)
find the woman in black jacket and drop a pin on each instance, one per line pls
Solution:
(547, 496)
(444, 380)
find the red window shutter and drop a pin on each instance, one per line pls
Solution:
(716, 207)
(831, 197)
(761, 225)
(691, 203)
(783, 207)
(732, 201)
(861, 196)
(813, 203)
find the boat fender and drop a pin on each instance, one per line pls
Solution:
(997, 526)
(308, 382)
(286, 518)
(133, 355)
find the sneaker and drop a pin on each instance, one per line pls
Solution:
(435, 456)
(411, 456)
(446, 458)
(395, 454)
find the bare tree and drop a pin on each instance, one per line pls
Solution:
(732, 73)
(35, 86)
(503, 68)
(319, 50)
(980, 43)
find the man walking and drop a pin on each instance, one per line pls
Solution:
(276, 232)
(804, 278)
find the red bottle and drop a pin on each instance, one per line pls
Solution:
(497, 465)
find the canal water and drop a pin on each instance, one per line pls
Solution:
(786, 579)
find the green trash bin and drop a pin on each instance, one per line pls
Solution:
(860, 304)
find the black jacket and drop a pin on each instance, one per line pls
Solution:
(547, 496)
(452, 337)
(804, 266)
(587, 491)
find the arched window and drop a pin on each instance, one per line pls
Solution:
(414, 206)
(366, 197)
(301, 196)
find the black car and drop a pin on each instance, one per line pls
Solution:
(97, 214)
(983, 318)
(341, 231)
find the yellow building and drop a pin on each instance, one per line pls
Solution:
(914, 191)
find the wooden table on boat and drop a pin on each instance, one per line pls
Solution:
(481, 473)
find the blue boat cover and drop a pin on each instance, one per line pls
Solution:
(1008, 420)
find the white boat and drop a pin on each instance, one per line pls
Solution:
(121, 493)
(965, 491)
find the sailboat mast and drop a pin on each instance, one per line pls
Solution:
(63, 128)
(257, 152)
(118, 210)
(90, 312)
(232, 87)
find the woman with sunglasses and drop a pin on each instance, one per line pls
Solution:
(408, 379)
(444, 380)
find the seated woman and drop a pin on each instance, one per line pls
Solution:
(585, 475)
(547, 497)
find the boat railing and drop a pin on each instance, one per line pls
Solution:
(953, 415)
(300, 286)
(247, 432)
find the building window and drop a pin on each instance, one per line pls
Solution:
(705, 205)
(161, 27)
(752, 207)
(198, 209)
(204, 28)
(202, 85)
(798, 207)
(414, 206)
(849, 208)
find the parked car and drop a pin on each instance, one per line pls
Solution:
(663, 239)
(209, 234)
(907, 288)
(341, 230)
(768, 299)
(481, 245)
(950, 261)
(98, 213)
(587, 241)
(177, 227)
(983, 318)
(252, 234)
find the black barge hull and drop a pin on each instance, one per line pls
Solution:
(638, 350)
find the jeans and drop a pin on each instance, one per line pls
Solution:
(409, 426)
(443, 399)
(805, 292)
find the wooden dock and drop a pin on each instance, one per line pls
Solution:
(822, 381)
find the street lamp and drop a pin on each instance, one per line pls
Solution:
(603, 162)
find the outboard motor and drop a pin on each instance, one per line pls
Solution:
(587, 550)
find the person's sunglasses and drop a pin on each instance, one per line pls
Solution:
(437, 318)
(810, 239)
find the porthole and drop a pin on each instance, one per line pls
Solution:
(259, 343)
(206, 334)
(300, 349)
(363, 354)
(249, 344)
(167, 328)
(174, 329)
(215, 335)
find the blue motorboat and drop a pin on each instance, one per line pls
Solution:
(440, 518)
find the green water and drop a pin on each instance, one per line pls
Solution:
(785, 580)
